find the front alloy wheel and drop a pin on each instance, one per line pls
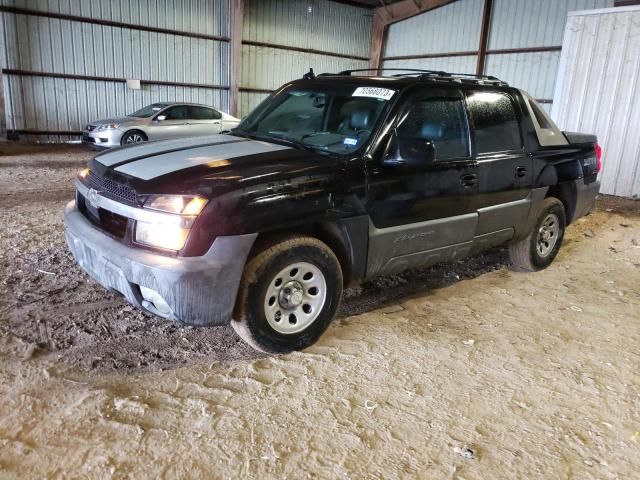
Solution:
(133, 137)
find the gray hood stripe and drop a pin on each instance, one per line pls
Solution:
(134, 152)
(164, 162)
(179, 149)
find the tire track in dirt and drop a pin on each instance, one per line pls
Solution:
(30, 196)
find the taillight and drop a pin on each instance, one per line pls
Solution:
(598, 158)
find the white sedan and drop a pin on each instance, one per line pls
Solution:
(158, 121)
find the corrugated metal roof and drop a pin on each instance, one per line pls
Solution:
(452, 28)
(598, 90)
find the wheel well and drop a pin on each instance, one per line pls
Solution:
(324, 232)
(566, 193)
(144, 135)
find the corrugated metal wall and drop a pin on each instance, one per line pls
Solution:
(515, 24)
(67, 47)
(526, 24)
(320, 25)
(598, 91)
(452, 28)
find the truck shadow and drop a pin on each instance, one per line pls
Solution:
(383, 291)
(155, 344)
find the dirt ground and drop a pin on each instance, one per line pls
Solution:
(465, 371)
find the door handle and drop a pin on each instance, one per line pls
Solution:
(216, 122)
(468, 180)
(521, 172)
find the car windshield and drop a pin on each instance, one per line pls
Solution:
(330, 119)
(148, 110)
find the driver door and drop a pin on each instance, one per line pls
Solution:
(420, 190)
(170, 123)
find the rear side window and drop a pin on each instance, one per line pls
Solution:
(179, 112)
(540, 116)
(440, 120)
(495, 122)
(547, 132)
(204, 113)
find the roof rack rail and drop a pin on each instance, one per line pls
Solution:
(430, 75)
(417, 70)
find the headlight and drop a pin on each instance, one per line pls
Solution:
(108, 126)
(169, 235)
(84, 173)
(182, 205)
(162, 235)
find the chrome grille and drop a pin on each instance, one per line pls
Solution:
(112, 189)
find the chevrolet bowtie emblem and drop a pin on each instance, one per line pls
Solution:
(93, 197)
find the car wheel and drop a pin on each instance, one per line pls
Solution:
(288, 295)
(133, 136)
(541, 246)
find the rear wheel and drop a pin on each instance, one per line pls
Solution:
(541, 246)
(288, 295)
(133, 136)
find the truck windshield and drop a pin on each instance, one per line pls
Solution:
(331, 119)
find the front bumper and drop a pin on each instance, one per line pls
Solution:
(102, 138)
(198, 290)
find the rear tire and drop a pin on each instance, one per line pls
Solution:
(288, 295)
(541, 246)
(132, 137)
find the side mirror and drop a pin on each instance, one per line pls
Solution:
(409, 152)
(161, 118)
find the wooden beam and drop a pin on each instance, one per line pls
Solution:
(313, 51)
(409, 8)
(378, 29)
(235, 54)
(3, 121)
(71, 76)
(387, 14)
(484, 37)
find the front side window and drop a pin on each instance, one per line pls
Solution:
(440, 120)
(495, 122)
(179, 112)
(332, 119)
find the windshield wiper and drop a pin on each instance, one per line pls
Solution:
(293, 143)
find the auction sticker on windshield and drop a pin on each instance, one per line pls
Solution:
(374, 92)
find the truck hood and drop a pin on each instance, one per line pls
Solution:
(207, 165)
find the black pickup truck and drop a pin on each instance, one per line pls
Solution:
(332, 180)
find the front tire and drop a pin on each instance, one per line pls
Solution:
(132, 137)
(288, 295)
(541, 246)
